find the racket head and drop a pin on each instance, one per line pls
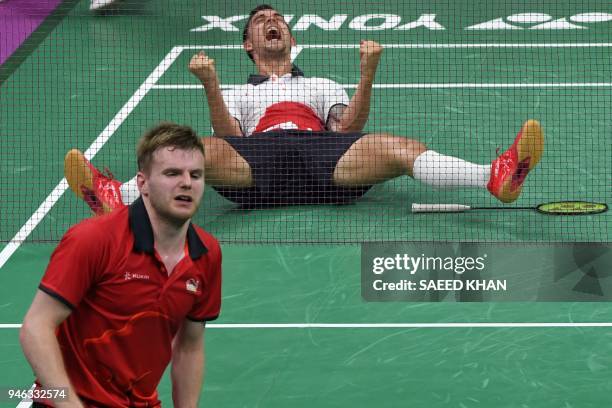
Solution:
(572, 208)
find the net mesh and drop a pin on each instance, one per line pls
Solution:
(460, 77)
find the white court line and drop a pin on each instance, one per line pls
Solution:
(23, 403)
(94, 148)
(386, 325)
(383, 326)
(418, 46)
(434, 86)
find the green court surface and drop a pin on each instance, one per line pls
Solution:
(85, 86)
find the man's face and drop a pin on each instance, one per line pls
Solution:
(269, 35)
(174, 183)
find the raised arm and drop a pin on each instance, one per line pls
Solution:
(223, 123)
(354, 117)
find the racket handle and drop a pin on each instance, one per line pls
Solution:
(428, 208)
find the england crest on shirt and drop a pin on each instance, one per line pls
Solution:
(192, 285)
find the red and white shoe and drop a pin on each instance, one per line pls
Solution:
(100, 192)
(508, 171)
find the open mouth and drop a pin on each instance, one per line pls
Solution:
(184, 198)
(273, 33)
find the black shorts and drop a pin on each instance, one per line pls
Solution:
(292, 167)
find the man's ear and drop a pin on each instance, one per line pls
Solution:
(141, 181)
(247, 45)
(293, 42)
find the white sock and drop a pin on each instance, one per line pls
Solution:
(439, 170)
(129, 191)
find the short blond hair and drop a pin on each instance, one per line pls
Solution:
(166, 134)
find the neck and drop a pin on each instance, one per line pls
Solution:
(276, 67)
(169, 236)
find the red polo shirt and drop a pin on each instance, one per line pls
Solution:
(117, 341)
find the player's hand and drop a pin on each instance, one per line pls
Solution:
(369, 56)
(203, 67)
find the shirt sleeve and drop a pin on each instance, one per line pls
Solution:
(75, 265)
(208, 305)
(331, 94)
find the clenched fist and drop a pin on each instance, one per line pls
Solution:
(369, 55)
(203, 67)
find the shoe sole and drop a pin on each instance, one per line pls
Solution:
(77, 172)
(530, 146)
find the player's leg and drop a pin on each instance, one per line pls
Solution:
(101, 192)
(379, 157)
(223, 167)
(375, 158)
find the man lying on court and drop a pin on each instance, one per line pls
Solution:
(284, 138)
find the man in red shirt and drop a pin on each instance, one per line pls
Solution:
(125, 294)
(284, 139)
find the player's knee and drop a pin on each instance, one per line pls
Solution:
(404, 151)
(213, 150)
(404, 145)
(224, 165)
(416, 147)
(210, 143)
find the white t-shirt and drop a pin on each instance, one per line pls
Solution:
(286, 102)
